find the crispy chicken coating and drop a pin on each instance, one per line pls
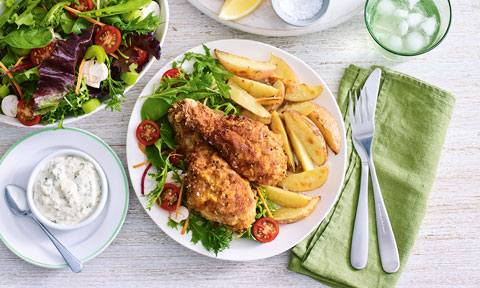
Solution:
(214, 189)
(248, 146)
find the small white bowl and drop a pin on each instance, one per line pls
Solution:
(41, 164)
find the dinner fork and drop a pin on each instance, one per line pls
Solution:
(363, 131)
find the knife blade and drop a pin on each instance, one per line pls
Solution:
(371, 87)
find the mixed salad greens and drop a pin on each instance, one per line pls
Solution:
(206, 83)
(60, 59)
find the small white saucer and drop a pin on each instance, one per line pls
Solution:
(23, 237)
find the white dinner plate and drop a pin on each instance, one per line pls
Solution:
(23, 237)
(290, 234)
(160, 34)
(263, 20)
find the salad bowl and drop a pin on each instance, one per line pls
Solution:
(160, 34)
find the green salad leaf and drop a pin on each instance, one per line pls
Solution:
(29, 37)
(214, 236)
(141, 26)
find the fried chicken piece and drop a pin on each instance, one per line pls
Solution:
(249, 146)
(214, 190)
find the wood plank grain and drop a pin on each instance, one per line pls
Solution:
(446, 252)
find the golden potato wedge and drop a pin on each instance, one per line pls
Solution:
(281, 93)
(285, 215)
(244, 67)
(286, 198)
(264, 120)
(270, 100)
(277, 127)
(299, 149)
(283, 69)
(247, 101)
(303, 107)
(328, 126)
(295, 92)
(255, 88)
(308, 134)
(305, 181)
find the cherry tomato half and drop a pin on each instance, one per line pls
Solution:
(169, 197)
(172, 73)
(109, 38)
(142, 55)
(25, 113)
(37, 55)
(265, 229)
(85, 5)
(175, 160)
(148, 132)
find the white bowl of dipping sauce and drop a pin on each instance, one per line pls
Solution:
(67, 189)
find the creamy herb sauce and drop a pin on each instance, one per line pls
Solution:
(67, 190)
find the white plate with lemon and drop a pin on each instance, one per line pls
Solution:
(258, 17)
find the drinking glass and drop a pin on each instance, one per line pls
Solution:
(392, 38)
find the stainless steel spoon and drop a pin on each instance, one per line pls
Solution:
(299, 22)
(17, 202)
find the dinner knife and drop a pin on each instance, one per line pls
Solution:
(387, 245)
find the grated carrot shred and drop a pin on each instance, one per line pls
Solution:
(113, 55)
(11, 77)
(264, 203)
(141, 164)
(185, 226)
(142, 148)
(80, 74)
(179, 198)
(45, 8)
(19, 61)
(91, 20)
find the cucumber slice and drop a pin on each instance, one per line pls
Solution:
(91, 105)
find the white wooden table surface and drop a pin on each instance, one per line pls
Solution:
(447, 251)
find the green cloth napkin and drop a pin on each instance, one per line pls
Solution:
(411, 123)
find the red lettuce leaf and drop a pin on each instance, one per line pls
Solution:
(146, 42)
(57, 73)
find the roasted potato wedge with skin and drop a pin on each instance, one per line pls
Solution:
(285, 215)
(270, 100)
(278, 127)
(264, 120)
(308, 134)
(328, 126)
(255, 88)
(247, 101)
(299, 149)
(301, 92)
(305, 181)
(286, 198)
(281, 93)
(303, 107)
(244, 67)
(283, 69)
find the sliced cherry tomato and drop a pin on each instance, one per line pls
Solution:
(25, 113)
(169, 197)
(265, 229)
(175, 160)
(148, 132)
(142, 54)
(109, 38)
(85, 5)
(37, 55)
(172, 73)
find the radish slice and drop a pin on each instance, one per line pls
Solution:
(144, 176)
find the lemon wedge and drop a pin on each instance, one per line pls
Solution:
(235, 9)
